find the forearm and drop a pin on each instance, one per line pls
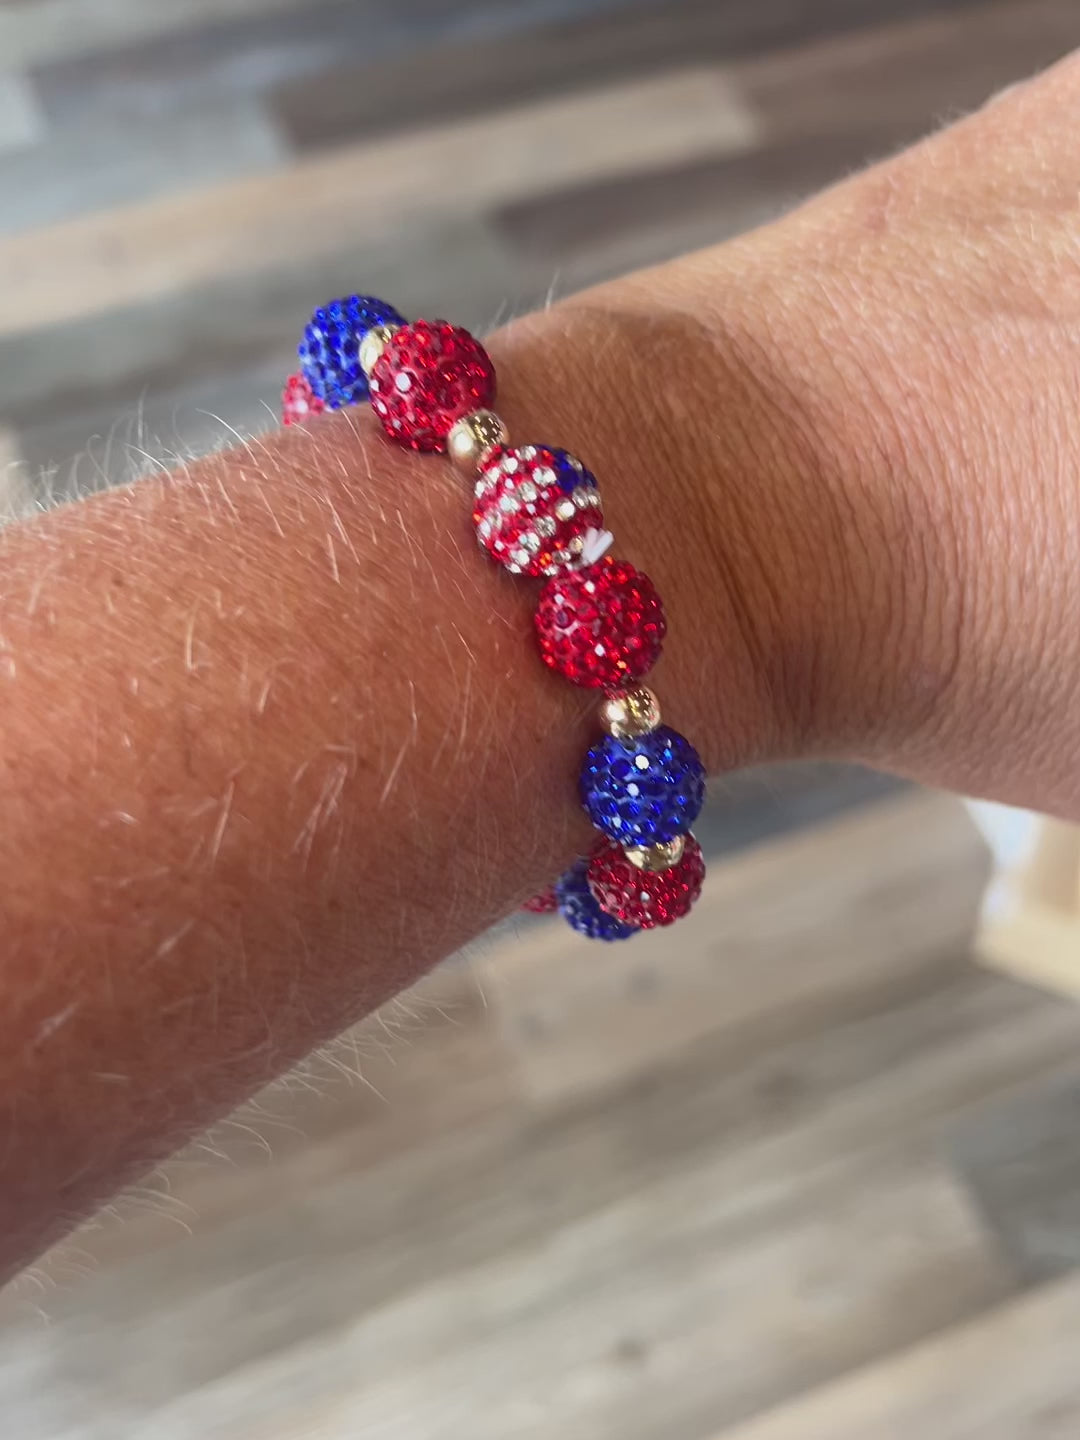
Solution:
(275, 735)
(277, 739)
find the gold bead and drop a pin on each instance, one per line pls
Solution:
(633, 713)
(657, 857)
(373, 344)
(473, 438)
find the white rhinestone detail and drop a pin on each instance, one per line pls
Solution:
(565, 509)
(530, 541)
(403, 381)
(546, 526)
(597, 544)
(527, 490)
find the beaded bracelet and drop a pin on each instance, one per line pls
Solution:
(599, 622)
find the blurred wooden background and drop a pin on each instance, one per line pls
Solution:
(798, 1170)
(183, 180)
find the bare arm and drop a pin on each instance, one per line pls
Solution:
(274, 739)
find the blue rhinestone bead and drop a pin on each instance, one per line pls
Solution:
(580, 910)
(330, 349)
(643, 791)
(570, 473)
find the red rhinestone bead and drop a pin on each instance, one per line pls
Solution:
(601, 626)
(299, 402)
(546, 903)
(429, 376)
(642, 897)
(534, 507)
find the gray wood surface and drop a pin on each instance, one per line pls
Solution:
(703, 1230)
(1021, 1159)
(182, 184)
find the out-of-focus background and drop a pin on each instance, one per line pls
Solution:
(800, 1168)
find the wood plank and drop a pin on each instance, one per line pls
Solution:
(16, 498)
(566, 1338)
(1034, 943)
(1020, 1155)
(762, 947)
(823, 110)
(591, 231)
(21, 121)
(359, 94)
(764, 802)
(1010, 1376)
(95, 167)
(906, 77)
(303, 1253)
(244, 46)
(88, 265)
(329, 1239)
(41, 31)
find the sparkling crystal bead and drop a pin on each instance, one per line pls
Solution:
(429, 376)
(533, 510)
(602, 626)
(643, 898)
(579, 909)
(330, 350)
(546, 903)
(298, 402)
(643, 791)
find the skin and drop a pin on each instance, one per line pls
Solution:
(275, 737)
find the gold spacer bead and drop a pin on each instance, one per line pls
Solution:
(657, 857)
(373, 344)
(474, 437)
(630, 714)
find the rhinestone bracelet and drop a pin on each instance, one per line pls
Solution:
(599, 622)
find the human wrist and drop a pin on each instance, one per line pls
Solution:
(611, 373)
